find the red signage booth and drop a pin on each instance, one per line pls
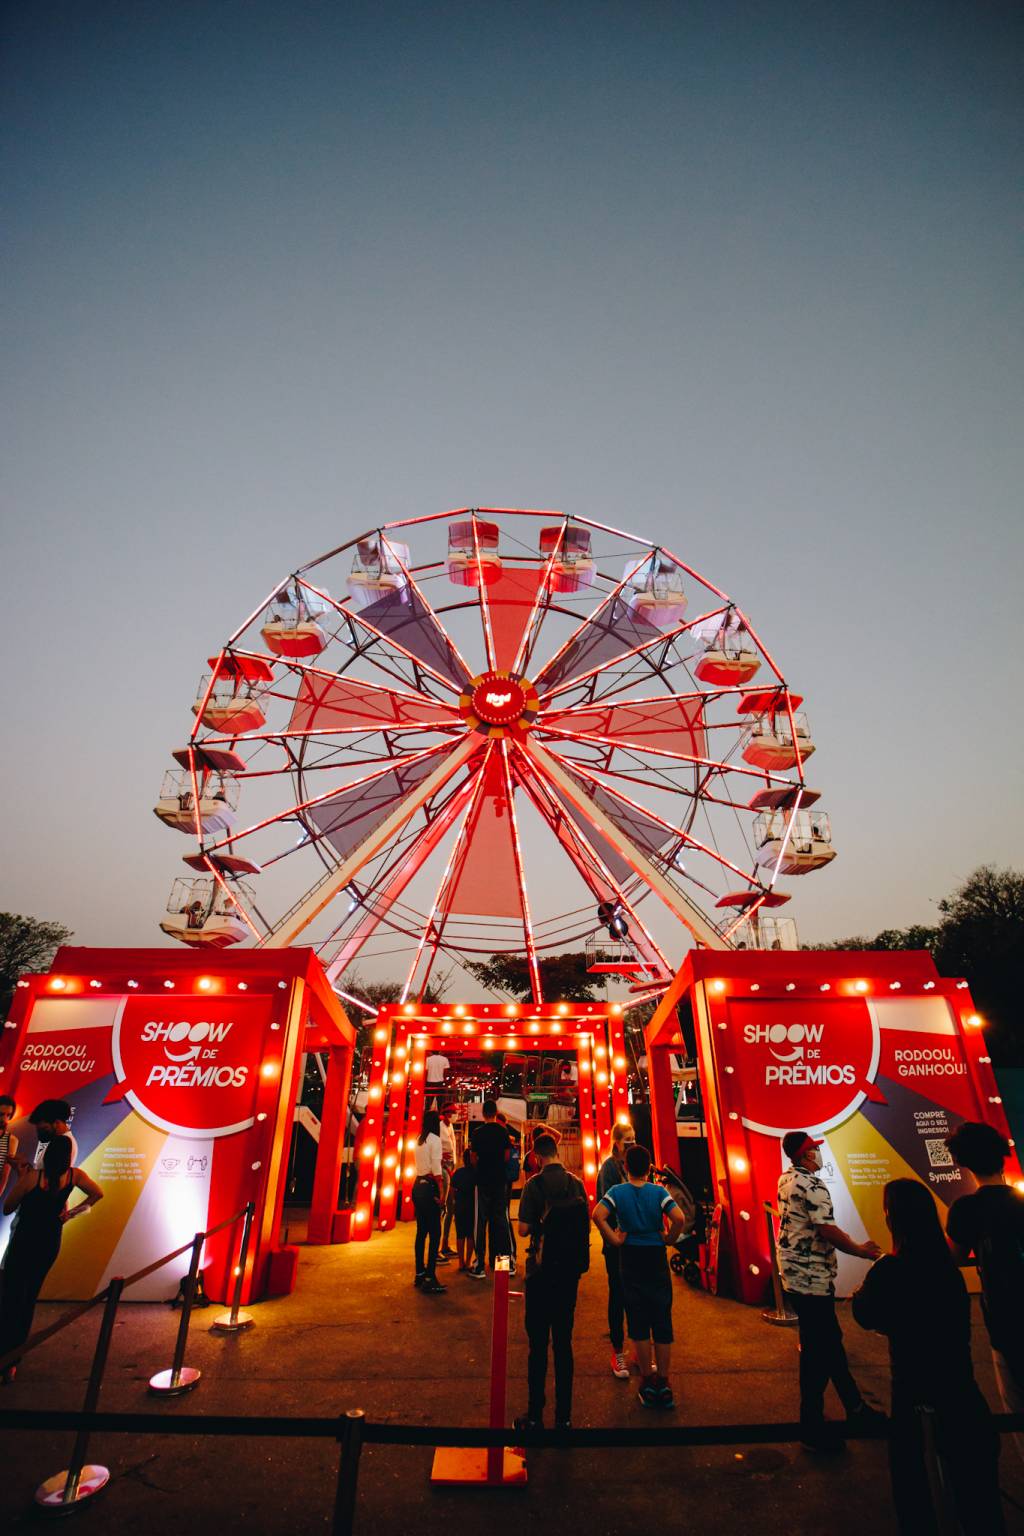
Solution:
(183, 1074)
(872, 1051)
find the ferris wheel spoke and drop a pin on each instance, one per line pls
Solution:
(427, 647)
(531, 951)
(686, 838)
(612, 643)
(429, 609)
(382, 832)
(595, 871)
(686, 910)
(532, 627)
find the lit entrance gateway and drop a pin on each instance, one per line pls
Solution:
(405, 1034)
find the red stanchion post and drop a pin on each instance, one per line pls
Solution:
(68, 1490)
(181, 1377)
(494, 1465)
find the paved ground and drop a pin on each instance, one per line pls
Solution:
(356, 1334)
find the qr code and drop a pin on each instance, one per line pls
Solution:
(938, 1154)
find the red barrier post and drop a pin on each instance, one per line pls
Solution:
(493, 1465)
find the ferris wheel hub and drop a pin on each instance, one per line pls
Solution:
(499, 702)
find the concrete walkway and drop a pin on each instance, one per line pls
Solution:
(356, 1334)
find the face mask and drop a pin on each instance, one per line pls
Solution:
(816, 1160)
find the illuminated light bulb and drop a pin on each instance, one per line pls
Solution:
(131, 983)
(929, 986)
(555, 1028)
(410, 1172)
(616, 1008)
(534, 1029)
(409, 1008)
(58, 984)
(512, 1041)
(755, 1269)
(459, 1010)
(446, 1028)
(389, 1161)
(281, 986)
(961, 986)
(256, 1166)
(894, 986)
(994, 1098)
(417, 1067)
(95, 983)
(488, 1043)
(369, 1149)
(387, 1191)
(588, 1141)
(563, 1007)
(237, 1270)
(739, 1164)
(718, 986)
(975, 1020)
(400, 1143)
(755, 986)
(619, 1062)
(733, 1115)
(268, 1069)
(730, 1070)
(25, 983)
(826, 986)
(1019, 1186)
(985, 1060)
(469, 1029)
(204, 983)
(243, 986)
(262, 1115)
(397, 1079)
(622, 1120)
(374, 1093)
(584, 1066)
(275, 1026)
(401, 1053)
(745, 1215)
(511, 1008)
(380, 1035)
(860, 986)
(790, 986)
(722, 1024)
(602, 1078)
(591, 1170)
(599, 1052)
(170, 985)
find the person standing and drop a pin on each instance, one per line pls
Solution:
(40, 1198)
(52, 1118)
(612, 1172)
(490, 1143)
(807, 1246)
(463, 1192)
(641, 1210)
(447, 1169)
(553, 1215)
(8, 1140)
(426, 1203)
(917, 1298)
(989, 1225)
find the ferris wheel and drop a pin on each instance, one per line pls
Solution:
(493, 730)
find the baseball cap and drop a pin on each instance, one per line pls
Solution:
(795, 1143)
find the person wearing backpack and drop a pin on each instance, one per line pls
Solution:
(989, 1225)
(640, 1210)
(553, 1214)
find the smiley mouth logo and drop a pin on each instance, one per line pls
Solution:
(796, 1054)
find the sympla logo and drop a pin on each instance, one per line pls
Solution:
(193, 1070)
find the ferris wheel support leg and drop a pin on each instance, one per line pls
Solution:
(703, 931)
(321, 895)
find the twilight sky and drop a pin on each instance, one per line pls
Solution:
(746, 279)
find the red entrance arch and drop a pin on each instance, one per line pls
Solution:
(403, 1036)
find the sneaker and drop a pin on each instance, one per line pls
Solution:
(421, 1276)
(648, 1393)
(866, 1417)
(446, 1253)
(477, 1272)
(441, 1259)
(665, 1395)
(432, 1287)
(825, 1440)
(620, 1366)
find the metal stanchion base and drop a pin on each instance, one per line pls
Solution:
(455, 1464)
(780, 1318)
(50, 1495)
(164, 1383)
(225, 1323)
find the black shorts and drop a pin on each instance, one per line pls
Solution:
(647, 1293)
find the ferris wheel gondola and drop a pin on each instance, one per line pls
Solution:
(497, 690)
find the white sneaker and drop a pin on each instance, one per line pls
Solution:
(619, 1366)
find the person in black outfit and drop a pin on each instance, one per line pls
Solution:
(491, 1145)
(917, 1298)
(553, 1214)
(39, 1198)
(426, 1203)
(990, 1226)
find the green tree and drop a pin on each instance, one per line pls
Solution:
(981, 937)
(26, 944)
(561, 976)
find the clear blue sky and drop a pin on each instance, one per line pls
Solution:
(747, 278)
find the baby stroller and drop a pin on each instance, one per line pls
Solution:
(686, 1252)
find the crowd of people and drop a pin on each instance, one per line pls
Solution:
(915, 1294)
(37, 1194)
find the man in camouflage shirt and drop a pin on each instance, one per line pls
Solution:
(808, 1240)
